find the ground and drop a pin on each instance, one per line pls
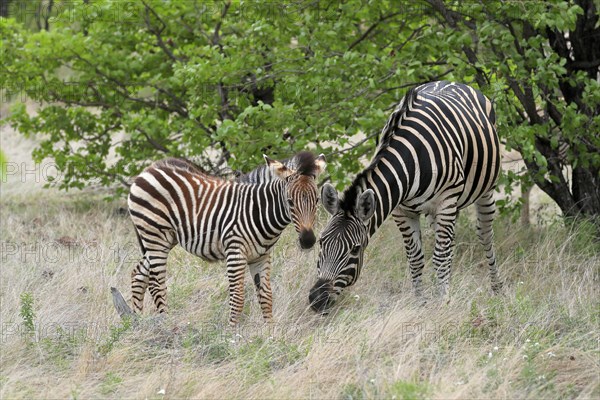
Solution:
(61, 337)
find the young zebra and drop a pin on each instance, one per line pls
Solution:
(437, 154)
(174, 202)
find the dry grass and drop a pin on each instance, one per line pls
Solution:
(538, 340)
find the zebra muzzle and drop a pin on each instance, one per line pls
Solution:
(307, 238)
(320, 295)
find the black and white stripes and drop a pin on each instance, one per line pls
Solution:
(437, 154)
(174, 202)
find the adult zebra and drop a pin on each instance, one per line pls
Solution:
(174, 202)
(437, 154)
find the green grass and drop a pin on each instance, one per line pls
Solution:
(539, 339)
(110, 383)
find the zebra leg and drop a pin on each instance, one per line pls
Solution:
(158, 277)
(410, 228)
(139, 284)
(236, 267)
(445, 220)
(150, 272)
(261, 274)
(486, 208)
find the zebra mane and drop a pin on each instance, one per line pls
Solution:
(180, 163)
(305, 163)
(383, 140)
(348, 198)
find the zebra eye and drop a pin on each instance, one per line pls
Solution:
(290, 202)
(355, 249)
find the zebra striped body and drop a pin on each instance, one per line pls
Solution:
(437, 154)
(173, 202)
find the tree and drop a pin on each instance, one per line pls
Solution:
(224, 82)
(33, 14)
(218, 82)
(544, 59)
(4, 5)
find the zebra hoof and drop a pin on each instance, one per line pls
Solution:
(497, 288)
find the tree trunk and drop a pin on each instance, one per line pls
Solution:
(586, 190)
(525, 207)
(4, 6)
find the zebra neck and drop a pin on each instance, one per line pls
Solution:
(387, 185)
(274, 204)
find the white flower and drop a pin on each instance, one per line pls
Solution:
(551, 354)
(356, 297)
(495, 348)
(525, 357)
(161, 391)
(490, 354)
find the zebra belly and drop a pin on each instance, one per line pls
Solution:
(430, 205)
(211, 249)
(474, 189)
(207, 247)
(466, 190)
(431, 201)
(256, 251)
(421, 206)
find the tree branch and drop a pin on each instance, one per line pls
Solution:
(452, 18)
(158, 32)
(216, 37)
(153, 142)
(354, 146)
(366, 33)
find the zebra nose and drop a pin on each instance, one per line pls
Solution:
(319, 295)
(307, 238)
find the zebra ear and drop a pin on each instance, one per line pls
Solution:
(277, 168)
(268, 160)
(365, 205)
(321, 163)
(329, 198)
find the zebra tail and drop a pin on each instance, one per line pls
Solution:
(121, 305)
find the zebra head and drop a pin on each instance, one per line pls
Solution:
(301, 192)
(343, 242)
